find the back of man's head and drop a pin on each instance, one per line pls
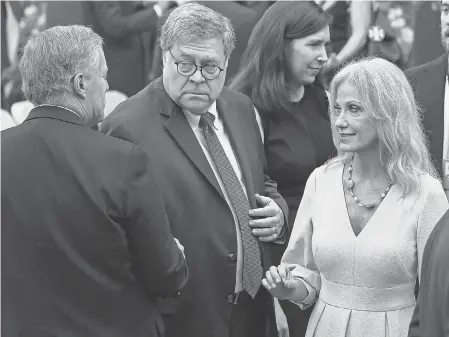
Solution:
(51, 59)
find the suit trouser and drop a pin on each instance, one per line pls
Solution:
(252, 317)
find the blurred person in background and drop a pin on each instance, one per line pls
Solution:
(426, 25)
(129, 30)
(86, 245)
(430, 82)
(31, 19)
(357, 243)
(280, 73)
(351, 21)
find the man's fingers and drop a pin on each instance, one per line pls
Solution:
(265, 222)
(262, 200)
(264, 231)
(263, 212)
(270, 238)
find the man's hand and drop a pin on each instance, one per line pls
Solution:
(268, 220)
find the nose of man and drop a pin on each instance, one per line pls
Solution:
(197, 77)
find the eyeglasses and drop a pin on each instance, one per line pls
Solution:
(187, 69)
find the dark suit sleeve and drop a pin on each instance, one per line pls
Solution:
(116, 127)
(157, 260)
(414, 324)
(118, 25)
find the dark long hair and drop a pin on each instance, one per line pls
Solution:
(262, 74)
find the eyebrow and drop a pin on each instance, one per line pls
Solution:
(351, 101)
(318, 40)
(206, 59)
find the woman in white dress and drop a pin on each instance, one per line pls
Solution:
(358, 238)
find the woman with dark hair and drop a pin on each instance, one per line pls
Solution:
(280, 73)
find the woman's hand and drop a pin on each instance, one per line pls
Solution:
(280, 282)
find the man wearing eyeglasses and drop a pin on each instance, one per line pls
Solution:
(209, 161)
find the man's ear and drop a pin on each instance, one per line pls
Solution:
(79, 85)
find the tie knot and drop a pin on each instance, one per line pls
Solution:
(207, 119)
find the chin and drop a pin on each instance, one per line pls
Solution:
(347, 147)
(197, 107)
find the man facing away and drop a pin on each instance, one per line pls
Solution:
(209, 161)
(86, 245)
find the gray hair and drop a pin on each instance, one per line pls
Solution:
(52, 57)
(387, 95)
(193, 21)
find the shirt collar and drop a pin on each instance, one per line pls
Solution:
(58, 106)
(194, 119)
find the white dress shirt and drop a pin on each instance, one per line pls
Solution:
(223, 137)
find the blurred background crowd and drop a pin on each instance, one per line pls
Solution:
(405, 32)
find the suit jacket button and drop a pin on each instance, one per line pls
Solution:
(230, 298)
(232, 257)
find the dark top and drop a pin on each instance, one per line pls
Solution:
(296, 142)
(86, 245)
(431, 315)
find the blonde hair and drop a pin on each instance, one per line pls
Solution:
(388, 97)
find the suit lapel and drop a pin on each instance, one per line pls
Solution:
(179, 128)
(232, 124)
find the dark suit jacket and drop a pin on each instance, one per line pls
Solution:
(431, 315)
(86, 246)
(129, 34)
(428, 81)
(198, 213)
